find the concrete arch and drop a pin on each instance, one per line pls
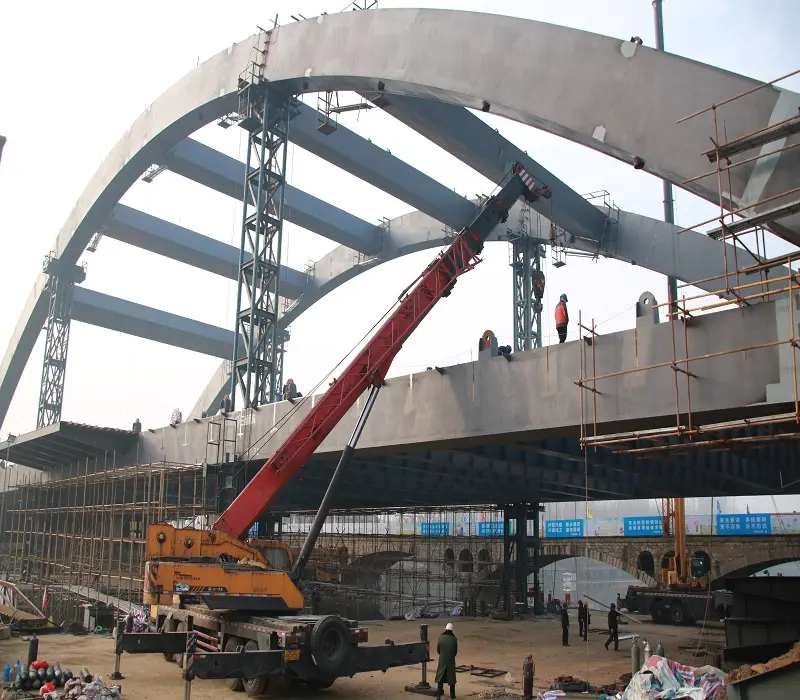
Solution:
(645, 563)
(752, 560)
(552, 553)
(603, 84)
(465, 562)
(371, 565)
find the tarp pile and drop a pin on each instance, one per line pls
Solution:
(663, 679)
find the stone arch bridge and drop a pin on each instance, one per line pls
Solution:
(481, 557)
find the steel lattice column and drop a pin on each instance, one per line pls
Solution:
(266, 113)
(527, 253)
(60, 286)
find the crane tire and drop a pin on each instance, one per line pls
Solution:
(330, 645)
(255, 686)
(234, 684)
(678, 614)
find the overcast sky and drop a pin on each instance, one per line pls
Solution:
(74, 76)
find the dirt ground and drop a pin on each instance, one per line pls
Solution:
(482, 642)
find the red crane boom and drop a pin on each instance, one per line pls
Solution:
(370, 366)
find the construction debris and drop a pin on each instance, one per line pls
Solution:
(746, 670)
(496, 694)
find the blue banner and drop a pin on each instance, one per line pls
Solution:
(491, 528)
(750, 524)
(434, 529)
(563, 528)
(649, 526)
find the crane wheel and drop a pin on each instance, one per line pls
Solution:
(255, 686)
(330, 645)
(234, 684)
(678, 614)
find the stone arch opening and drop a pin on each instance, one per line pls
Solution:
(465, 565)
(646, 563)
(666, 559)
(484, 557)
(701, 564)
(449, 560)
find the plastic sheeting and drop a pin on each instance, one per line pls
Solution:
(663, 679)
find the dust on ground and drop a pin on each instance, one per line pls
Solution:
(482, 643)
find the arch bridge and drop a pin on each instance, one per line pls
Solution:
(428, 77)
(480, 557)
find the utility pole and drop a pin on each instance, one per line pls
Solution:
(669, 209)
(676, 515)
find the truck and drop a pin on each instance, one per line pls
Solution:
(229, 607)
(678, 607)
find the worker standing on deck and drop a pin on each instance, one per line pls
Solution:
(564, 625)
(562, 318)
(613, 627)
(446, 648)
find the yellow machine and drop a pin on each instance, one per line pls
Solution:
(212, 567)
(683, 571)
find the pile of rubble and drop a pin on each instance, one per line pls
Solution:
(746, 671)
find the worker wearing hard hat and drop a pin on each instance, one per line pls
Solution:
(562, 318)
(446, 648)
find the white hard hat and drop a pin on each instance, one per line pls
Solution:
(449, 627)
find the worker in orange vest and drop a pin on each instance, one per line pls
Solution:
(562, 318)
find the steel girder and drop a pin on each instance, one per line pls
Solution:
(202, 164)
(161, 237)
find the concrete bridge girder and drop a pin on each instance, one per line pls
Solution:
(413, 66)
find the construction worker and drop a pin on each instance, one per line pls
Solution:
(562, 318)
(176, 418)
(580, 618)
(564, 625)
(587, 618)
(613, 628)
(446, 648)
(315, 599)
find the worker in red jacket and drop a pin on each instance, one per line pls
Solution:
(562, 318)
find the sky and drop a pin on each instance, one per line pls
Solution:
(74, 76)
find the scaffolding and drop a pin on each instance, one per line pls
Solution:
(81, 536)
(739, 228)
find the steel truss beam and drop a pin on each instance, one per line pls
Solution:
(266, 113)
(527, 252)
(60, 285)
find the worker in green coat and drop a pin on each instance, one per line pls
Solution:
(446, 648)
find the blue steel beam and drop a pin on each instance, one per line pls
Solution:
(356, 155)
(202, 164)
(124, 316)
(461, 133)
(172, 241)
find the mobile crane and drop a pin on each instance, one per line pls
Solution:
(241, 598)
(685, 596)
